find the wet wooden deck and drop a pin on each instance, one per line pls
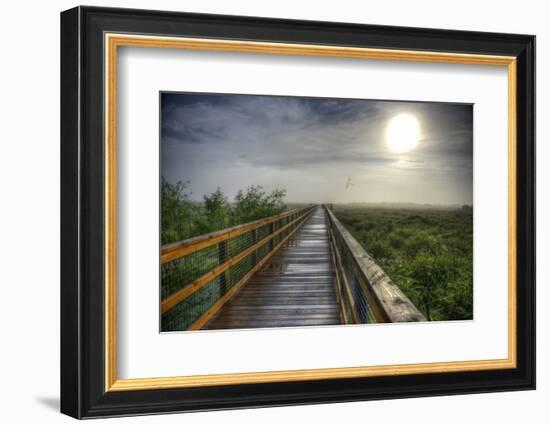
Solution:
(296, 287)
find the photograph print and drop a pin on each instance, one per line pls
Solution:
(287, 211)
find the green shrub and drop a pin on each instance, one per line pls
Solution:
(182, 218)
(421, 243)
(396, 241)
(431, 276)
(428, 254)
(379, 250)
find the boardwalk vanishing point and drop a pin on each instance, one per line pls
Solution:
(295, 288)
(299, 268)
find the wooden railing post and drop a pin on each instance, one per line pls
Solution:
(271, 230)
(222, 256)
(254, 240)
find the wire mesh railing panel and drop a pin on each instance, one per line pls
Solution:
(192, 284)
(355, 303)
(239, 244)
(239, 270)
(360, 298)
(179, 273)
(262, 252)
(189, 310)
(263, 232)
(344, 303)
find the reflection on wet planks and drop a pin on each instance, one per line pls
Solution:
(295, 288)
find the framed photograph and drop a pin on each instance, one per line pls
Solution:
(261, 212)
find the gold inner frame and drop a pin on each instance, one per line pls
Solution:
(113, 41)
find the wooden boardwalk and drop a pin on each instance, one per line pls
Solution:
(296, 287)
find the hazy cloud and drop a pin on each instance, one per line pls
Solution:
(309, 146)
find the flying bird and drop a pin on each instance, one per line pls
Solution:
(349, 183)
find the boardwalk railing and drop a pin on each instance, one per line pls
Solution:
(199, 275)
(366, 293)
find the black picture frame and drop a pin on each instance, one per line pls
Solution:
(83, 392)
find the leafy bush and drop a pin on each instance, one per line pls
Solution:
(395, 241)
(254, 203)
(380, 249)
(178, 214)
(217, 211)
(431, 275)
(182, 218)
(421, 243)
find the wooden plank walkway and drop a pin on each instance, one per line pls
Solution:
(296, 287)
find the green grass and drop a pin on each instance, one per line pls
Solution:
(427, 252)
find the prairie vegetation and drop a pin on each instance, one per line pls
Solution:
(427, 252)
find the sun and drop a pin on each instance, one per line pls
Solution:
(403, 133)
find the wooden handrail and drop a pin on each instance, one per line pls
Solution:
(201, 321)
(345, 286)
(175, 250)
(388, 302)
(189, 289)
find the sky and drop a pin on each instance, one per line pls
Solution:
(312, 147)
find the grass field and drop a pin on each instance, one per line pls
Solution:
(426, 251)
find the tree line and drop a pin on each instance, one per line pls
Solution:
(183, 218)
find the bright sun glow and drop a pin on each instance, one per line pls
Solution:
(403, 133)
